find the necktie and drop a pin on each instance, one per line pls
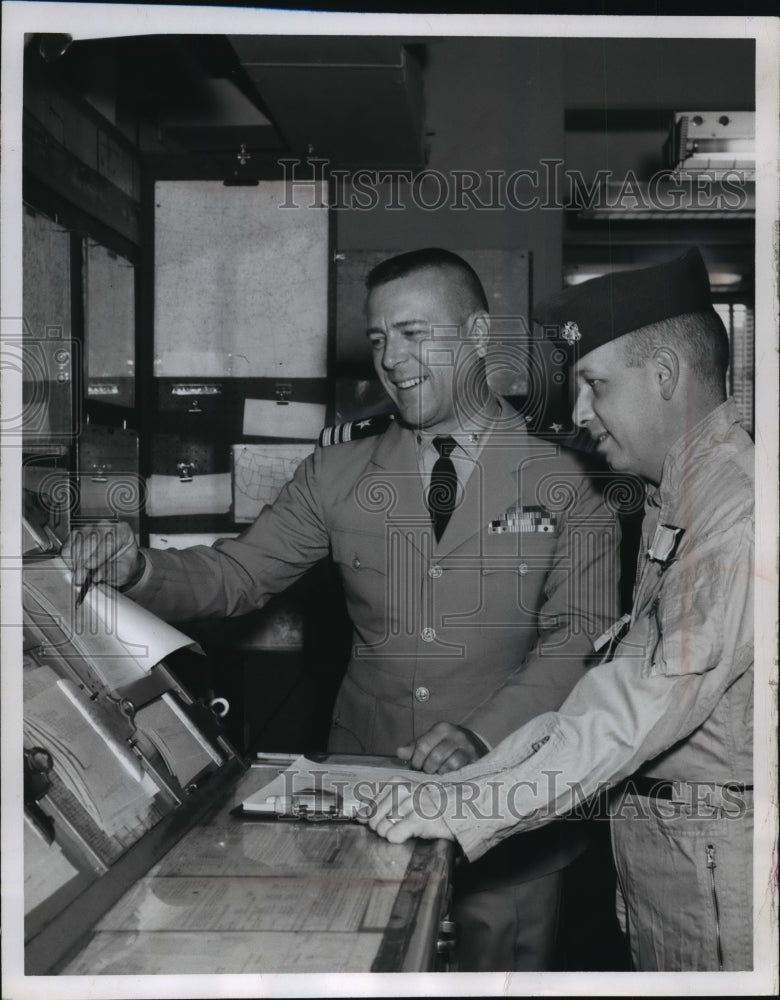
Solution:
(444, 485)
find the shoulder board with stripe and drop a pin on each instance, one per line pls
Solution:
(353, 430)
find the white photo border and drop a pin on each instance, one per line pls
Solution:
(84, 21)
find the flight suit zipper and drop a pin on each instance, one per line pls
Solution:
(712, 866)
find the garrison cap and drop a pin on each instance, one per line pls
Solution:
(605, 308)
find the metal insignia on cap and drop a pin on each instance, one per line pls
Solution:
(571, 332)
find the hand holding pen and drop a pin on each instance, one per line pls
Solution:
(103, 552)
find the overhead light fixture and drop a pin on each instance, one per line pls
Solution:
(576, 274)
(724, 281)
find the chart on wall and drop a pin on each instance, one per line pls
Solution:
(49, 355)
(241, 283)
(109, 321)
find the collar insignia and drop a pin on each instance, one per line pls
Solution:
(571, 332)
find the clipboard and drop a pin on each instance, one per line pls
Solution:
(313, 805)
(323, 790)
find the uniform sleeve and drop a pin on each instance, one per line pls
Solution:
(580, 602)
(668, 675)
(235, 576)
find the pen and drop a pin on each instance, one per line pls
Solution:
(84, 588)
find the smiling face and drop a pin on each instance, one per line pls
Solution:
(419, 326)
(622, 408)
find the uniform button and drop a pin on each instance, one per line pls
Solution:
(522, 569)
(435, 572)
(422, 694)
(356, 563)
(427, 635)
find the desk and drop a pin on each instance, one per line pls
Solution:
(275, 896)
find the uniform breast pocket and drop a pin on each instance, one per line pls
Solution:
(513, 573)
(356, 551)
(525, 554)
(362, 559)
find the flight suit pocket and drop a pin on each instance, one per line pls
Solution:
(689, 620)
(692, 862)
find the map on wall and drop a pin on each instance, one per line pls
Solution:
(241, 284)
(259, 473)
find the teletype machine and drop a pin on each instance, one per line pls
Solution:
(138, 855)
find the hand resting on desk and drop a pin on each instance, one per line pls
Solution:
(445, 747)
(402, 810)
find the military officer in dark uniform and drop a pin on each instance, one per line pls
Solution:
(478, 564)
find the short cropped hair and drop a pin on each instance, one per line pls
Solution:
(435, 258)
(700, 338)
